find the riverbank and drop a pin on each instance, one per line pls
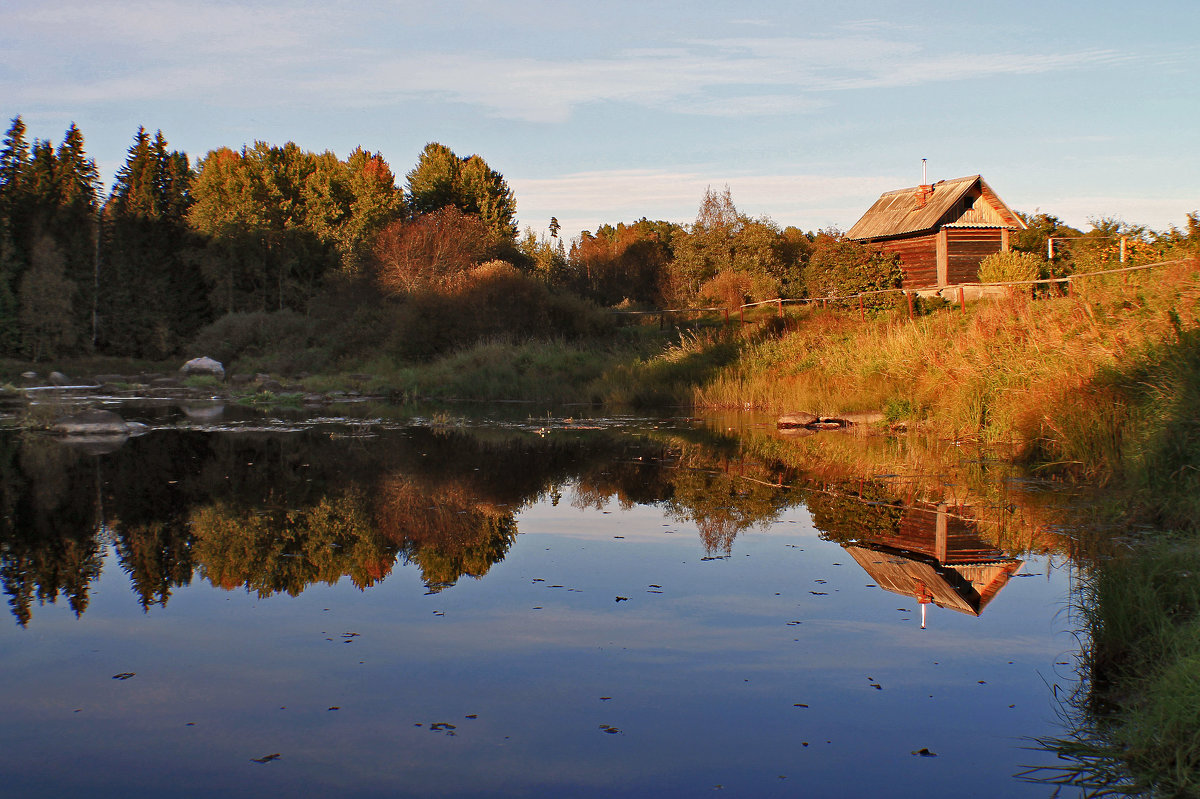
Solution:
(1102, 386)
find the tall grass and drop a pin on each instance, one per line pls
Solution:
(1058, 377)
(554, 371)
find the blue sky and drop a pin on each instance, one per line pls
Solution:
(607, 112)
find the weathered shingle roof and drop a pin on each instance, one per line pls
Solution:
(899, 212)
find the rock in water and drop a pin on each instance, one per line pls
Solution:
(95, 422)
(203, 366)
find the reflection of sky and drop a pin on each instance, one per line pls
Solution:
(702, 680)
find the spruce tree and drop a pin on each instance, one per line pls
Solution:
(151, 295)
(14, 166)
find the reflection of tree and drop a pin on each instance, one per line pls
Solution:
(270, 551)
(157, 557)
(724, 500)
(445, 532)
(48, 533)
(854, 512)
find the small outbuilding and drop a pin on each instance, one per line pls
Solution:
(941, 231)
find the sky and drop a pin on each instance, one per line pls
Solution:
(606, 112)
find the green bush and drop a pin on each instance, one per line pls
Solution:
(839, 268)
(1011, 267)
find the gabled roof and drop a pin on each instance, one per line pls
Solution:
(901, 212)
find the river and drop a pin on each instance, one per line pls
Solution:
(370, 604)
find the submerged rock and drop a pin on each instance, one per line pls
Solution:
(96, 423)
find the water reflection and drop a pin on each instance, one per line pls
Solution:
(936, 556)
(275, 513)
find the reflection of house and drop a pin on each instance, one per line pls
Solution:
(941, 231)
(936, 558)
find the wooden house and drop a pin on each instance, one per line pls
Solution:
(941, 231)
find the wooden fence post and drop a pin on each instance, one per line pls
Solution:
(962, 299)
(909, 297)
(726, 317)
(780, 301)
(862, 313)
(742, 315)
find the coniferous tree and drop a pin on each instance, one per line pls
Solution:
(47, 299)
(151, 295)
(74, 228)
(14, 166)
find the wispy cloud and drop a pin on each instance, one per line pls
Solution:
(271, 54)
(584, 200)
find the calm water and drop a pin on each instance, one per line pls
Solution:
(561, 608)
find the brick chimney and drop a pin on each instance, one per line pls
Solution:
(924, 192)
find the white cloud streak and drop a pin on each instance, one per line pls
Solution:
(268, 55)
(584, 200)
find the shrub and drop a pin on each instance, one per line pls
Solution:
(1011, 267)
(493, 301)
(839, 267)
(242, 335)
(732, 289)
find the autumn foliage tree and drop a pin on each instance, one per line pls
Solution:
(623, 263)
(433, 250)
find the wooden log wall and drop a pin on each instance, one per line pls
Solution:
(918, 259)
(966, 248)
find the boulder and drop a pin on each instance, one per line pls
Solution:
(203, 366)
(796, 420)
(59, 379)
(273, 386)
(96, 423)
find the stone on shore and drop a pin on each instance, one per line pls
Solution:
(203, 366)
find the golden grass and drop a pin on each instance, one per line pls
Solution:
(1012, 370)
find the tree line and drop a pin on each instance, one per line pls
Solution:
(174, 246)
(271, 242)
